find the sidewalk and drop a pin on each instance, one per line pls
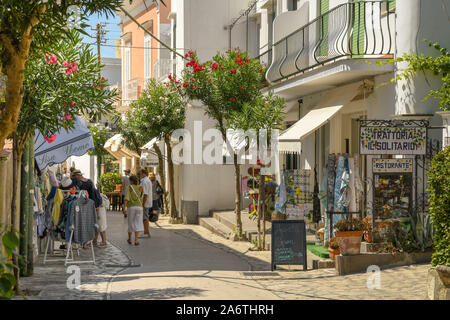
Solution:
(400, 283)
(49, 281)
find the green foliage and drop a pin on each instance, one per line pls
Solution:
(349, 225)
(439, 65)
(110, 165)
(226, 84)
(99, 136)
(157, 113)
(109, 181)
(10, 244)
(439, 191)
(52, 97)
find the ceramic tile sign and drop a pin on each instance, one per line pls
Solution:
(392, 165)
(392, 140)
(288, 243)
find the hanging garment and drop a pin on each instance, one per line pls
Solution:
(351, 186)
(83, 220)
(52, 177)
(57, 206)
(282, 196)
(38, 199)
(323, 201)
(340, 188)
(331, 180)
(102, 225)
(359, 189)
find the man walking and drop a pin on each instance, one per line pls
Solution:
(147, 203)
(125, 185)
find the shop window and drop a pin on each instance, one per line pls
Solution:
(292, 5)
(292, 161)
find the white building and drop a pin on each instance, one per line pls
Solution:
(323, 54)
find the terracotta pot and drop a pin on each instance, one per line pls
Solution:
(368, 236)
(333, 253)
(278, 216)
(349, 242)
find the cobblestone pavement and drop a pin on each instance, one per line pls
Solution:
(400, 283)
(50, 280)
(97, 281)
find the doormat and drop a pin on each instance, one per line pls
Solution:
(319, 251)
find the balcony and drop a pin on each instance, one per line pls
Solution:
(356, 30)
(164, 67)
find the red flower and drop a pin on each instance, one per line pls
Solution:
(170, 76)
(185, 85)
(232, 99)
(51, 138)
(214, 66)
(190, 53)
(233, 71)
(67, 116)
(186, 55)
(242, 88)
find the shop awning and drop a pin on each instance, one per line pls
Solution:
(62, 144)
(333, 101)
(115, 147)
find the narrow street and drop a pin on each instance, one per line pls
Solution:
(176, 267)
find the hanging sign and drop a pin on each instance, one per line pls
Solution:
(392, 140)
(392, 165)
(149, 159)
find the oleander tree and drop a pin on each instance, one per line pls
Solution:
(265, 113)
(225, 85)
(159, 111)
(29, 28)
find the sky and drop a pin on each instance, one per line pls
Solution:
(113, 32)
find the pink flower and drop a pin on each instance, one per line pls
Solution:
(67, 116)
(178, 110)
(51, 138)
(159, 117)
(267, 102)
(66, 64)
(52, 59)
(166, 99)
(69, 71)
(72, 103)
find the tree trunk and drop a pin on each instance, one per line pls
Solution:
(24, 207)
(237, 195)
(30, 265)
(14, 207)
(99, 172)
(173, 209)
(162, 176)
(260, 210)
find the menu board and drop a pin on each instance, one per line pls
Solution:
(288, 243)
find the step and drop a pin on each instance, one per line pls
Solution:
(216, 227)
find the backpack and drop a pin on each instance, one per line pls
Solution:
(159, 190)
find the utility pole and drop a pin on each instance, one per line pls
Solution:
(99, 37)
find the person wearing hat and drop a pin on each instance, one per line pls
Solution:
(125, 185)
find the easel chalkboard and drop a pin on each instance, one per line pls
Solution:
(288, 243)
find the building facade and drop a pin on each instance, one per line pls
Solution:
(327, 58)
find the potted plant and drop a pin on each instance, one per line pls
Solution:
(333, 248)
(349, 233)
(368, 228)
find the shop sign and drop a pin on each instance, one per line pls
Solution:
(149, 159)
(392, 140)
(392, 165)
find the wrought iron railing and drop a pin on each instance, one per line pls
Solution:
(363, 29)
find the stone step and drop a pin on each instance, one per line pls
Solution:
(216, 227)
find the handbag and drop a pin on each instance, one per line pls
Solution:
(159, 190)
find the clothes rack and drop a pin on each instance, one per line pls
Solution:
(81, 193)
(50, 242)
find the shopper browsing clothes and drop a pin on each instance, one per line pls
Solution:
(86, 184)
(148, 199)
(101, 221)
(125, 184)
(133, 206)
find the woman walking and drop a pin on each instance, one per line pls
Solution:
(133, 201)
(156, 196)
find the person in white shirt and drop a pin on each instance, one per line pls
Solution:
(147, 203)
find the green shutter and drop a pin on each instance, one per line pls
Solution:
(391, 5)
(323, 27)
(359, 36)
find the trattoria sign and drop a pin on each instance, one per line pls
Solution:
(392, 165)
(392, 140)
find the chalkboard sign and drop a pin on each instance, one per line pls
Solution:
(288, 243)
